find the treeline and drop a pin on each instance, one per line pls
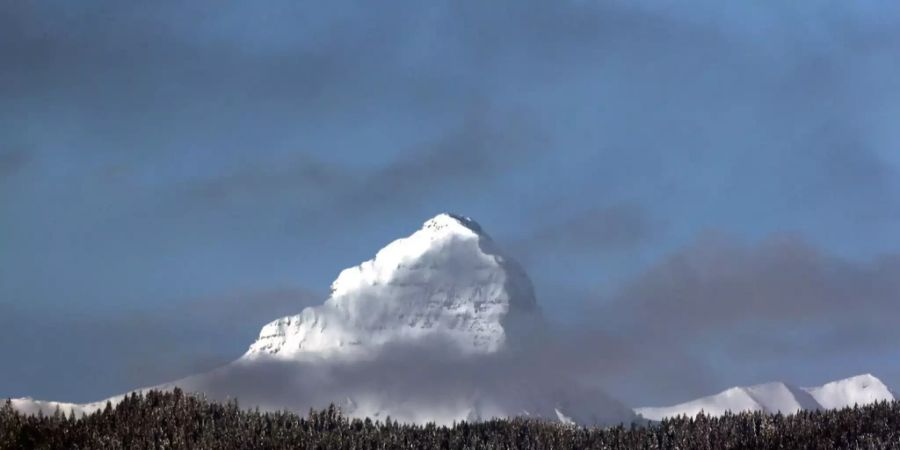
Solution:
(173, 420)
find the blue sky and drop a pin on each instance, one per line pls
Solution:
(173, 176)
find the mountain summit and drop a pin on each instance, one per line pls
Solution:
(446, 281)
(859, 390)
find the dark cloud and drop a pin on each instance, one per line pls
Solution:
(783, 278)
(302, 177)
(465, 159)
(598, 231)
(767, 311)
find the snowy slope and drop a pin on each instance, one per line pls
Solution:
(779, 397)
(428, 330)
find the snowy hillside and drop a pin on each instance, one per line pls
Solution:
(859, 390)
(779, 397)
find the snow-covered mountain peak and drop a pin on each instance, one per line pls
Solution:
(856, 390)
(447, 281)
(446, 234)
(863, 381)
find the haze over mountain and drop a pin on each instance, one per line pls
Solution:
(439, 326)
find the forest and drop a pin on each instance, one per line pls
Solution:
(176, 420)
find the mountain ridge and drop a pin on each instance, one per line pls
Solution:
(774, 397)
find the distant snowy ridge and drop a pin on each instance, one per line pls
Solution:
(779, 397)
(30, 406)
